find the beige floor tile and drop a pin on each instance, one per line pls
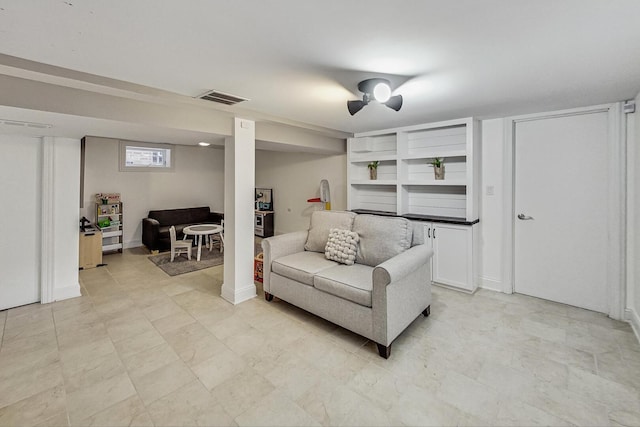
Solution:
(84, 353)
(420, 407)
(275, 409)
(129, 412)
(127, 326)
(36, 409)
(505, 380)
(59, 420)
(329, 402)
(28, 382)
(468, 395)
(219, 368)
(189, 405)
(26, 345)
(163, 308)
(173, 321)
(28, 309)
(483, 359)
(82, 335)
(246, 341)
(194, 344)
(13, 363)
(379, 385)
(81, 373)
(89, 401)
(241, 392)
(162, 381)
(610, 393)
(149, 360)
(134, 345)
(516, 413)
(569, 406)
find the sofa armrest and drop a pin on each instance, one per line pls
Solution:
(150, 232)
(278, 246)
(401, 291)
(394, 269)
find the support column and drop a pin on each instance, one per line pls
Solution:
(239, 184)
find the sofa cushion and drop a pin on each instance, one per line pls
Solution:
(181, 216)
(342, 246)
(381, 238)
(321, 223)
(351, 282)
(301, 266)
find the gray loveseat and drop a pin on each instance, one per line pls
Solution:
(377, 297)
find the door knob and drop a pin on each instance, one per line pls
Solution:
(524, 217)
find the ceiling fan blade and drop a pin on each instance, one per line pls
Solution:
(395, 102)
(355, 106)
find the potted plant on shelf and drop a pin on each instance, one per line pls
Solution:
(373, 170)
(438, 167)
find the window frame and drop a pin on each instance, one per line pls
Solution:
(158, 146)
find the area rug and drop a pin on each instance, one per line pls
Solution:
(182, 265)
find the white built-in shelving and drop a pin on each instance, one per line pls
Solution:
(406, 184)
(112, 234)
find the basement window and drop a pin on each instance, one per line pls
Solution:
(146, 157)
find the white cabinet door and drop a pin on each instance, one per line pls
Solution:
(453, 255)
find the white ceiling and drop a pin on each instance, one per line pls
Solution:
(302, 60)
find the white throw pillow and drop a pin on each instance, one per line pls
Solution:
(342, 246)
(321, 223)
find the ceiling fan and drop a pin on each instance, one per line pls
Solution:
(376, 89)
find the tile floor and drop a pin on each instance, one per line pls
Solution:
(142, 348)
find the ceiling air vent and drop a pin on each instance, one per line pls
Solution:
(221, 97)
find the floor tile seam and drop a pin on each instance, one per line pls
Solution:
(64, 385)
(4, 326)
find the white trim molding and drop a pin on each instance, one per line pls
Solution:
(616, 218)
(632, 317)
(47, 281)
(490, 284)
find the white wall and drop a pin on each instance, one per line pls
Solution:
(65, 218)
(491, 206)
(295, 177)
(40, 187)
(20, 165)
(633, 221)
(197, 180)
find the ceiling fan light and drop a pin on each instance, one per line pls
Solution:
(382, 92)
(395, 102)
(355, 106)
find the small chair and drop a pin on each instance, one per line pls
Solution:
(218, 237)
(179, 246)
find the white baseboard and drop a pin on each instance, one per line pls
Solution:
(490, 284)
(632, 316)
(237, 295)
(67, 292)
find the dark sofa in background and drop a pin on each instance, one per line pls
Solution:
(155, 228)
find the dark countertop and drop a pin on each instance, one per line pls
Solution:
(417, 217)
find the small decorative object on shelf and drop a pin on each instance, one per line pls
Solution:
(109, 219)
(373, 170)
(438, 168)
(107, 198)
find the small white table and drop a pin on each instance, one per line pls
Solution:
(203, 230)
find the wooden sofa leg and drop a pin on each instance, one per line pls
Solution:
(268, 296)
(427, 311)
(384, 351)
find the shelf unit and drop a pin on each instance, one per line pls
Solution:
(112, 236)
(406, 184)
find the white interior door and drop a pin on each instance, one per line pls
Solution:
(561, 209)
